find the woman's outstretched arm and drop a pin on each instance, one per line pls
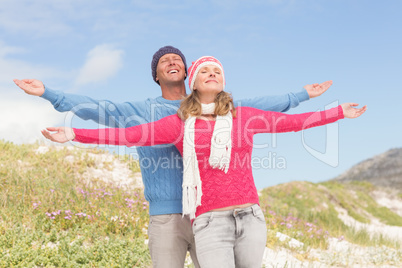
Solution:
(165, 131)
(273, 122)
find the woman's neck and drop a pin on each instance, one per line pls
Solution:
(207, 117)
(207, 98)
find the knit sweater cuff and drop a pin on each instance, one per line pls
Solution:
(50, 95)
(302, 95)
(79, 136)
(340, 112)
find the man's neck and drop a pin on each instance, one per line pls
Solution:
(176, 92)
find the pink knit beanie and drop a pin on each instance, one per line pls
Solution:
(198, 64)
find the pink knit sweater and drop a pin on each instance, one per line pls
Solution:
(219, 189)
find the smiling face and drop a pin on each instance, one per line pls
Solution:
(209, 83)
(170, 69)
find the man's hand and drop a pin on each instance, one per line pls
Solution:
(60, 134)
(31, 86)
(316, 90)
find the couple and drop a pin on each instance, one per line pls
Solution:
(229, 226)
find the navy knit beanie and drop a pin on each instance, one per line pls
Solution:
(162, 51)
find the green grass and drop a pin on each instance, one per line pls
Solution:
(49, 217)
(306, 211)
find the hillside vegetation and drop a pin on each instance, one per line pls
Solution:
(55, 213)
(314, 209)
(51, 217)
(331, 224)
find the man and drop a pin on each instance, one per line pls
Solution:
(170, 234)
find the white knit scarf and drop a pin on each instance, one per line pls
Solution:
(221, 148)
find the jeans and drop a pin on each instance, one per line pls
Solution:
(233, 238)
(170, 237)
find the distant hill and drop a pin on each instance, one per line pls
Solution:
(384, 170)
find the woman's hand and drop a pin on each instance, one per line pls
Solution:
(61, 135)
(350, 112)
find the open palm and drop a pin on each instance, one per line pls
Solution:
(316, 90)
(60, 135)
(350, 112)
(31, 86)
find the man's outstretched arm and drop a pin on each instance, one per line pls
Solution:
(283, 103)
(101, 111)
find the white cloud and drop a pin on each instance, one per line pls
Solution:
(102, 62)
(61, 19)
(11, 68)
(159, 5)
(5, 50)
(22, 117)
(34, 18)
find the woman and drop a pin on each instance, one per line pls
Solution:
(216, 142)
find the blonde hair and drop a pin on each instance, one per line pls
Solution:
(191, 105)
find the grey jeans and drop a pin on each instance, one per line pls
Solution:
(233, 238)
(170, 237)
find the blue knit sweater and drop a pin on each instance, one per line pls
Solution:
(161, 166)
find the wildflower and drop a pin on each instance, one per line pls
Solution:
(68, 217)
(36, 205)
(82, 191)
(130, 202)
(52, 190)
(56, 213)
(289, 225)
(50, 215)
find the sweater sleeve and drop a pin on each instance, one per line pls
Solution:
(104, 112)
(281, 103)
(273, 122)
(167, 130)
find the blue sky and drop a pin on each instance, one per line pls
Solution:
(103, 49)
